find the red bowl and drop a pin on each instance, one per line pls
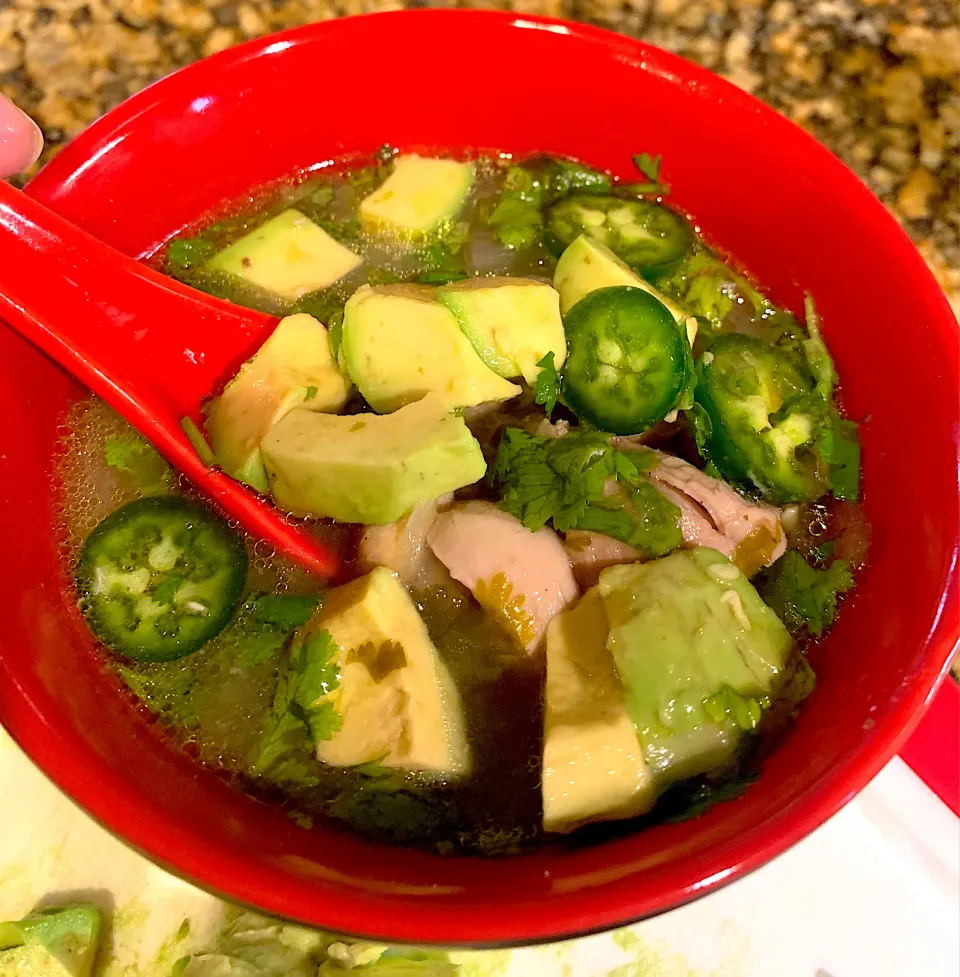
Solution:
(760, 188)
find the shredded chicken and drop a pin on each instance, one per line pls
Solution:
(522, 578)
(714, 514)
(711, 514)
(590, 553)
(402, 547)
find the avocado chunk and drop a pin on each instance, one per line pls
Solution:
(369, 469)
(593, 765)
(511, 322)
(293, 368)
(396, 697)
(691, 639)
(420, 194)
(587, 265)
(58, 942)
(288, 255)
(399, 344)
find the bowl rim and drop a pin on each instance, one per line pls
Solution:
(119, 814)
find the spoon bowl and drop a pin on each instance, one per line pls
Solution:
(151, 347)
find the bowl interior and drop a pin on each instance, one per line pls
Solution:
(759, 188)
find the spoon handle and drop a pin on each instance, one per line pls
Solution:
(150, 346)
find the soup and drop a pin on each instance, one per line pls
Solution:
(592, 491)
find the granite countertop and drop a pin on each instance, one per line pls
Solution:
(878, 81)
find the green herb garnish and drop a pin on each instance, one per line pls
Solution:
(708, 288)
(803, 597)
(649, 166)
(517, 220)
(132, 454)
(819, 361)
(566, 481)
(546, 388)
(298, 719)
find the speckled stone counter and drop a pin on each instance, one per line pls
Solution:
(878, 81)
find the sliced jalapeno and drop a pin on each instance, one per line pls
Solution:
(628, 364)
(160, 577)
(647, 236)
(765, 418)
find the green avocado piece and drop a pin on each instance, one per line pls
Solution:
(366, 468)
(593, 765)
(53, 942)
(587, 265)
(295, 367)
(689, 634)
(511, 322)
(421, 193)
(288, 255)
(399, 344)
(408, 715)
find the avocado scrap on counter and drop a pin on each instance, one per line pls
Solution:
(57, 941)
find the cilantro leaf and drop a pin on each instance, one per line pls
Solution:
(544, 479)
(701, 427)
(708, 288)
(839, 444)
(517, 220)
(322, 196)
(313, 661)
(562, 177)
(517, 224)
(285, 610)
(637, 514)
(803, 597)
(441, 277)
(284, 738)
(566, 481)
(691, 798)
(442, 259)
(310, 393)
(121, 453)
(819, 361)
(546, 388)
(132, 454)
(185, 253)
(799, 682)
(298, 719)
(648, 165)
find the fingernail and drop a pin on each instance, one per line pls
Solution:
(21, 140)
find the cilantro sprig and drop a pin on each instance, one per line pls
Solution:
(517, 220)
(300, 716)
(132, 454)
(569, 482)
(546, 388)
(649, 167)
(708, 288)
(803, 597)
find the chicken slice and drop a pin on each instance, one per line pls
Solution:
(591, 552)
(402, 547)
(521, 578)
(714, 514)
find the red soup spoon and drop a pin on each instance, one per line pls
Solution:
(150, 346)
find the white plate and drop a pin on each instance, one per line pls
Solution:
(874, 893)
